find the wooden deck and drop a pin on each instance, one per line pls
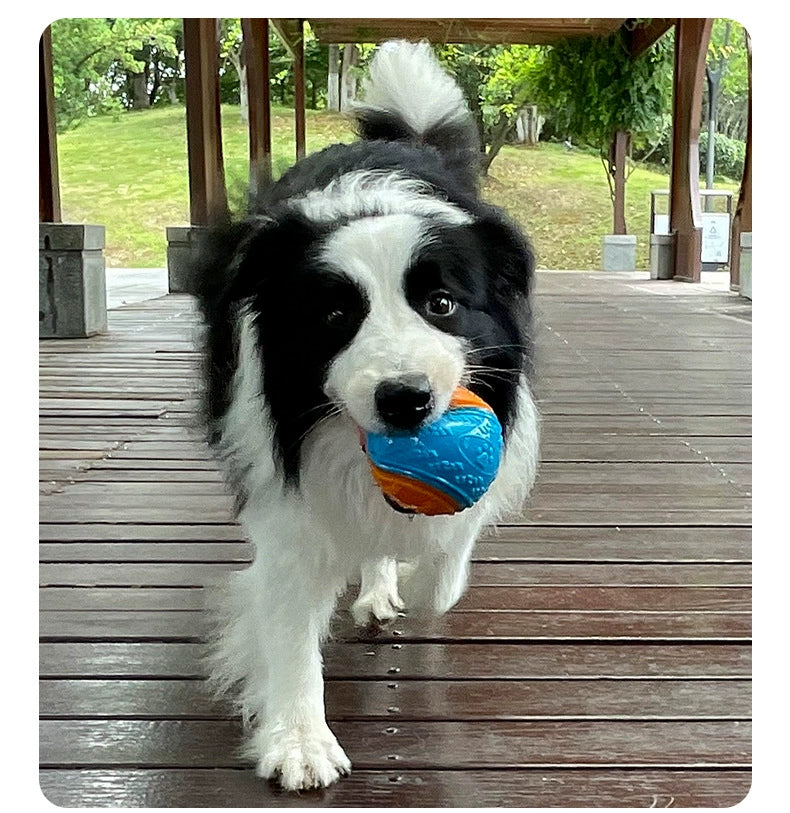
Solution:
(600, 658)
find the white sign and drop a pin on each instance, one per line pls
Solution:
(715, 237)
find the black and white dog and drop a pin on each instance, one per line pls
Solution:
(368, 285)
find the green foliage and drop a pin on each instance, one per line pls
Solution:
(729, 155)
(734, 86)
(592, 88)
(92, 57)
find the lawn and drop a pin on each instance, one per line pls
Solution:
(130, 173)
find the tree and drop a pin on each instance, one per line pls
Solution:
(594, 89)
(95, 58)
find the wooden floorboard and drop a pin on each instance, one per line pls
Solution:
(601, 657)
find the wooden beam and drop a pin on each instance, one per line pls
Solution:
(299, 86)
(255, 34)
(482, 30)
(685, 215)
(288, 31)
(643, 37)
(48, 179)
(207, 195)
(742, 220)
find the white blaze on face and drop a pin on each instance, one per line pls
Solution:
(394, 339)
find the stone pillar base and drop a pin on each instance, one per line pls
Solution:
(662, 255)
(181, 242)
(746, 265)
(619, 252)
(72, 290)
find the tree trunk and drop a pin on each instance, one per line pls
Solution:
(348, 81)
(157, 83)
(498, 138)
(617, 161)
(140, 98)
(333, 81)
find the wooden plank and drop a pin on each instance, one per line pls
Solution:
(516, 598)
(195, 565)
(411, 661)
(214, 744)
(190, 625)
(387, 788)
(417, 700)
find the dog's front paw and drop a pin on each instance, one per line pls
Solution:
(299, 757)
(378, 605)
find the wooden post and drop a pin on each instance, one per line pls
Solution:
(299, 111)
(48, 182)
(207, 195)
(619, 152)
(255, 34)
(685, 216)
(742, 220)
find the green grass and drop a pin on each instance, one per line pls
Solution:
(130, 174)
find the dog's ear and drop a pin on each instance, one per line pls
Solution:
(507, 251)
(233, 262)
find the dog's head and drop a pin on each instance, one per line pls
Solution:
(379, 312)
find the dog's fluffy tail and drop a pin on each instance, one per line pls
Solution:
(410, 97)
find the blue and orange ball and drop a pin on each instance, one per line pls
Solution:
(445, 466)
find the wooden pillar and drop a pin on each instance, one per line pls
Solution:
(742, 220)
(619, 151)
(207, 195)
(685, 216)
(299, 111)
(256, 56)
(48, 180)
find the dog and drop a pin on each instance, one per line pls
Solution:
(365, 286)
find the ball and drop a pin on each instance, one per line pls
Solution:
(444, 467)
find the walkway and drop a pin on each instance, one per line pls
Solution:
(600, 658)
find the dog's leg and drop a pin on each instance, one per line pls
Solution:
(288, 616)
(435, 583)
(378, 598)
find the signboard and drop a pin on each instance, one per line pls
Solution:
(715, 237)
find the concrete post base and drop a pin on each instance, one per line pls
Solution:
(181, 242)
(662, 255)
(746, 265)
(619, 252)
(72, 290)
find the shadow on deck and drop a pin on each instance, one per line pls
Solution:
(600, 658)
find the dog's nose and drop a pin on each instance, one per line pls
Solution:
(404, 402)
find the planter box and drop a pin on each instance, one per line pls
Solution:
(745, 270)
(619, 252)
(72, 290)
(181, 243)
(662, 253)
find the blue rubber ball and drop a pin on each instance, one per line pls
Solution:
(444, 467)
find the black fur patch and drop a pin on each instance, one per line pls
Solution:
(486, 269)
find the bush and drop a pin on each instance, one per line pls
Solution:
(729, 155)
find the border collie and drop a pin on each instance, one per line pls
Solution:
(368, 284)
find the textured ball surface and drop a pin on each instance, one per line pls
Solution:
(445, 466)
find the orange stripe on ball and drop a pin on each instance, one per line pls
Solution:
(463, 397)
(414, 494)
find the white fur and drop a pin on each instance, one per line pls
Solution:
(406, 79)
(364, 193)
(394, 339)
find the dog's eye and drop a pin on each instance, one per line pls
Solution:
(336, 317)
(440, 303)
